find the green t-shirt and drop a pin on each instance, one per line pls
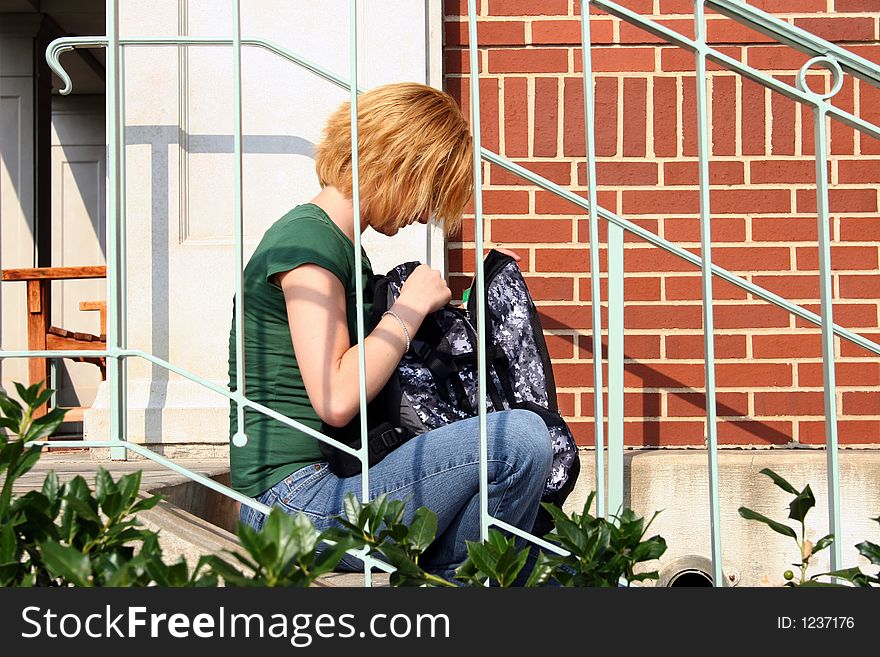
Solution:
(305, 235)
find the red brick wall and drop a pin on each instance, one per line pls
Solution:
(769, 367)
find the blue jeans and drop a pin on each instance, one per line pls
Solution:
(439, 470)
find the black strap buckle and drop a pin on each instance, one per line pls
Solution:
(388, 439)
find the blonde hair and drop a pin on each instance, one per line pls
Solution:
(414, 155)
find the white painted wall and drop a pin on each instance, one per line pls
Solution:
(180, 205)
(676, 483)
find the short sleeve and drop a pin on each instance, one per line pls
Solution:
(306, 240)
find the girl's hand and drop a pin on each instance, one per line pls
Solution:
(513, 255)
(425, 290)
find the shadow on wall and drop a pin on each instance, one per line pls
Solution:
(161, 138)
(651, 401)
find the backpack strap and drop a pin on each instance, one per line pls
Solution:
(501, 363)
(444, 369)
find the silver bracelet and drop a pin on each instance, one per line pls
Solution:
(402, 325)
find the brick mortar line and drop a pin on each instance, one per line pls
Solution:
(634, 246)
(581, 389)
(560, 124)
(606, 18)
(857, 110)
(728, 418)
(695, 303)
(693, 333)
(666, 159)
(796, 186)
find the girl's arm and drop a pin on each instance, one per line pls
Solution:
(315, 300)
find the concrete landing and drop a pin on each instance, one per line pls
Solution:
(154, 476)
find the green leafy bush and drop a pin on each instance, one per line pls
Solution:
(602, 552)
(498, 561)
(66, 534)
(871, 551)
(378, 527)
(283, 553)
(799, 506)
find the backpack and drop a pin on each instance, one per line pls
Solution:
(435, 382)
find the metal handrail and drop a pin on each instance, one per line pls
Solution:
(797, 38)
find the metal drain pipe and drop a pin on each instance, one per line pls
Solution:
(693, 570)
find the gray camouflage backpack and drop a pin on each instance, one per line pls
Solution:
(436, 381)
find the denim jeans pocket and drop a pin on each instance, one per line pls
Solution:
(301, 480)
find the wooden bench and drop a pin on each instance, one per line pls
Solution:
(43, 336)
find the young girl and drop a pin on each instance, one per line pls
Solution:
(301, 357)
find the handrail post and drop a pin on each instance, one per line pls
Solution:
(615, 369)
(706, 276)
(595, 269)
(240, 438)
(364, 451)
(485, 519)
(826, 294)
(115, 293)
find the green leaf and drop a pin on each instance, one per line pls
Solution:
(351, 508)
(871, 551)
(392, 511)
(343, 533)
(331, 555)
(496, 542)
(785, 530)
(505, 557)
(112, 504)
(301, 540)
(45, 425)
(558, 514)
(146, 503)
(653, 548)
(810, 584)
(8, 544)
(779, 481)
(823, 543)
(422, 530)
(24, 464)
(379, 511)
(801, 504)
(129, 485)
(11, 408)
(43, 397)
(230, 574)
(571, 536)
(82, 509)
(844, 573)
(50, 486)
(66, 563)
(512, 570)
(479, 554)
(541, 572)
(104, 484)
(27, 394)
(250, 540)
